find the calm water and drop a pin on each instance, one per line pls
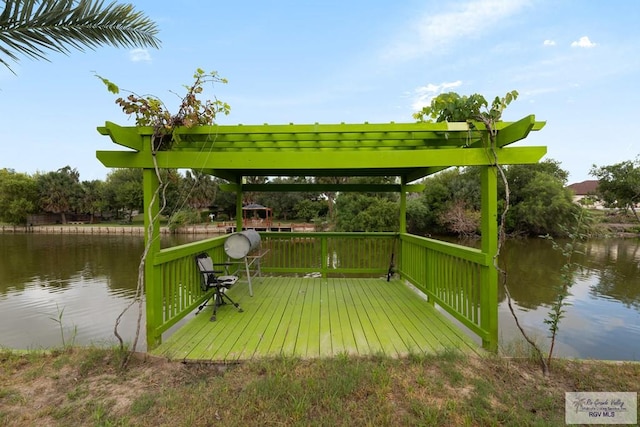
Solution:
(82, 280)
(603, 321)
(92, 278)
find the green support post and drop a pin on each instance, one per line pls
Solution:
(324, 255)
(403, 205)
(489, 246)
(239, 206)
(402, 229)
(152, 278)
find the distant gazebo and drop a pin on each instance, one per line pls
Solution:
(255, 215)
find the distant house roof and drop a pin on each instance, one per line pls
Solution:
(585, 187)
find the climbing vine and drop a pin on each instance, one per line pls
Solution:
(451, 107)
(476, 109)
(151, 111)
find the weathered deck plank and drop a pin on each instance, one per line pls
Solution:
(314, 317)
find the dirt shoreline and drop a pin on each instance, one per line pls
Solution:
(75, 229)
(620, 230)
(139, 230)
(623, 230)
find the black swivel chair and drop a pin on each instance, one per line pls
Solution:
(210, 278)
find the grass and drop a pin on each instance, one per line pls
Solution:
(86, 386)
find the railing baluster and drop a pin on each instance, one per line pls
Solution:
(451, 276)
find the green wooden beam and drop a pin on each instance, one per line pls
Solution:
(422, 172)
(509, 132)
(288, 143)
(129, 137)
(316, 129)
(539, 125)
(515, 131)
(413, 188)
(229, 176)
(389, 135)
(358, 188)
(297, 163)
(230, 188)
(187, 136)
(479, 126)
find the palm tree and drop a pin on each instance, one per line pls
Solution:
(199, 188)
(59, 191)
(31, 28)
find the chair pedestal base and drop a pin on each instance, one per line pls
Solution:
(219, 299)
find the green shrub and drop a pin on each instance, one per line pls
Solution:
(183, 217)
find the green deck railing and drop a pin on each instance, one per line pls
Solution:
(330, 254)
(452, 276)
(177, 289)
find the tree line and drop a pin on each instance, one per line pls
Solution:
(540, 203)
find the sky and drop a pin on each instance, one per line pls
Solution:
(575, 64)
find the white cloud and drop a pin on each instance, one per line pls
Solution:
(583, 42)
(424, 94)
(138, 55)
(433, 31)
(549, 43)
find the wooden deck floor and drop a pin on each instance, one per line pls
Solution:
(314, 317)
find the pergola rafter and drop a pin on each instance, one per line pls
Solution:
(410, 151)
(353, 188)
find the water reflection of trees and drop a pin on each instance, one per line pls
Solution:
(610, 266)
(616, 264)
(533, 269)
(60, 260)
(533, 272)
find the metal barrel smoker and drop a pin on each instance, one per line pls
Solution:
(239, 246)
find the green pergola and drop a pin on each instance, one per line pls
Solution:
(408, 151)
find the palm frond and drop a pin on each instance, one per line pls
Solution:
(32, 28)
